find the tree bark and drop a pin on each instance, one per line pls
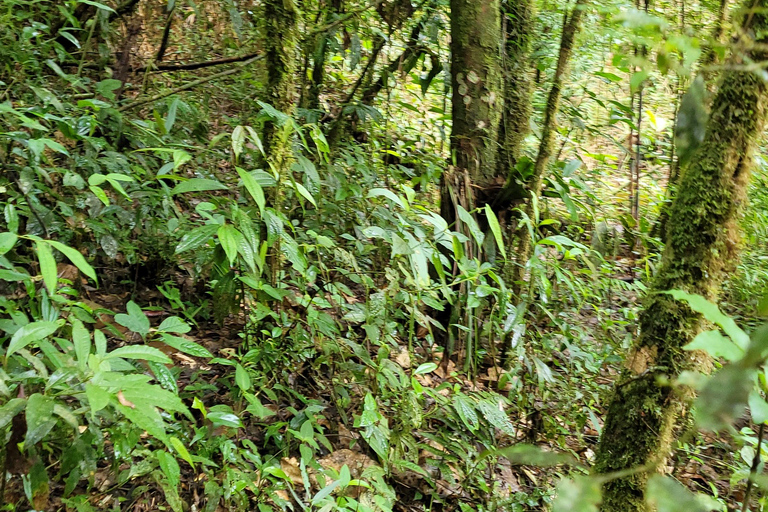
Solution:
(571, 27)
(702, 247)
(477, 103)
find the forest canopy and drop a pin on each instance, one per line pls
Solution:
(383, 255)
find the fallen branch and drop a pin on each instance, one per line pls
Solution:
(194, 65)
(190, 85)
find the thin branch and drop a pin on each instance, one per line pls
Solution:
(344, 18)
(194, 65)
(190, 85)
(753, 469)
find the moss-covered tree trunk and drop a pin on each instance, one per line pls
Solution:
(517, 28)
(702, 243)
(282, 21)
(472, 180)
(320, 55)
(571, 27)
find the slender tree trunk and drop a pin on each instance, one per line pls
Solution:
(571, 27)
(702, 246)
(282, 20)
(321, 50)
(517, 31)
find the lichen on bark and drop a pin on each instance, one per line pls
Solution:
(702, 246)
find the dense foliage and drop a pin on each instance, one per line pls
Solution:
(285, 255)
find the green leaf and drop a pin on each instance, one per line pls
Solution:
(10, 409)
(139, 352)
(712, 313)
(170, 119)
(228, 238)
(758, 407)
(198, 185)
(47, 265)
(174, 324)
(30, 333)
(186, 346)
(256, 140)
(81, 338)
(425, 368)
(471, 223)
(665, 494)
(76, 258)
(580, 494)
(691, 122)
(196, 238)
(98, 397)
(242, 378)
(465, 408)
(7, 241)
(164, 376)
(238, 141)
(304, 192)
(253, 188)
(495, 416)
(716, 345)
(376, 192)
(40, 419)
(169, 466)
(135, 320)
(724, 397)
(97, 5)
(11, 217)
(225, 419)
(493, 223)
(181, 450)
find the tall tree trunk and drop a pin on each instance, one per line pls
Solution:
(701, 248)
(320, 54)
(477, 104)
(517, 31)
(282, 20)
(571, 27)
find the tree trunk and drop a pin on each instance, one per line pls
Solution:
(321, 50)
(281, 18)
(571, 27)
(701, 248)
(477, 104)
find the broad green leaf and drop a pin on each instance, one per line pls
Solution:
(465, 408)
(198, 185)
(712, 313)
(170, 118)
(253, 188)
(10, 409)
(238, 141)
(174, 324)
(304, 192)
(256, 140)
(758, 407)
(164, 377)
(724, 397)
(139, 352)
(76, 258)
(716, 345)
(47, 265)
(242, 378)
(11, 217)
(225, 419)
(135, 320)
(81, 338)
(196, 238)
(495, 416)
(665, 494)
(228, 238)
(98, 397)
(691, 121)
(425, 368)
(493, 223)
(97, 5)
(169, 466)
(376, 192)
(181, 450)
(31, 333)
(325, 492)
(7, 241)
(580, 494)
(471, 223)
(186, 346)
(40, 420)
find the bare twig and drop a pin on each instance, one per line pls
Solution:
(190, 85)
(753, 469)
